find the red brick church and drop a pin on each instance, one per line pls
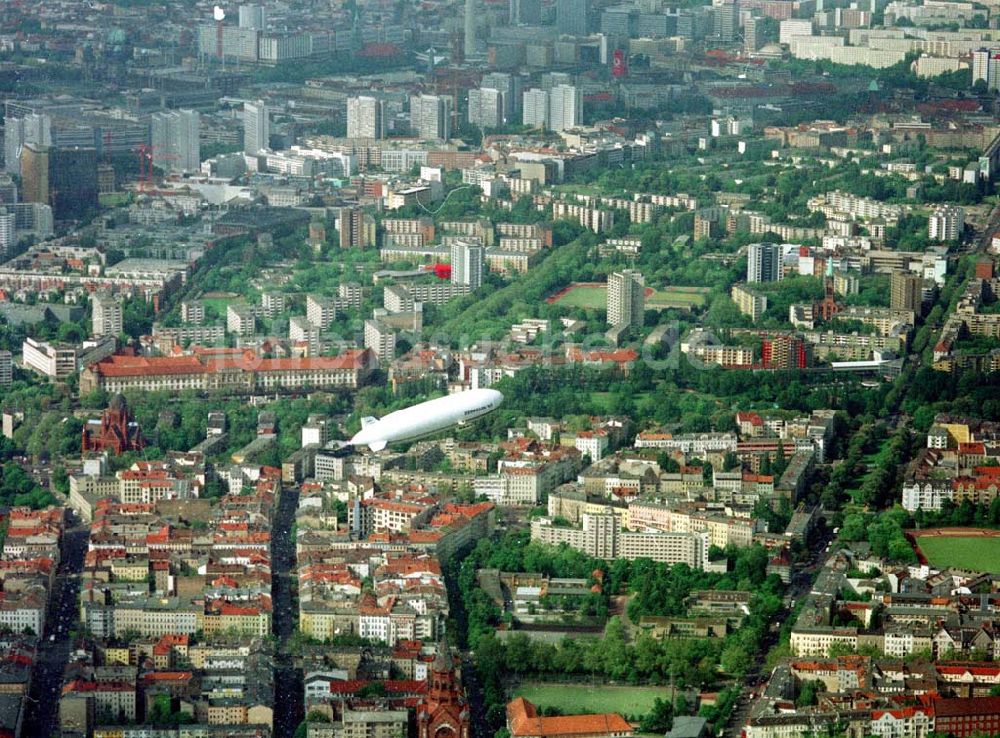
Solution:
(115, 431)
(443, 713)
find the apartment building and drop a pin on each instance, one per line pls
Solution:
(58, 361)
(750, 302)
(601, 536)
(241, 320)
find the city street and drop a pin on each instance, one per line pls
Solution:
(288, 712)
(41, 714)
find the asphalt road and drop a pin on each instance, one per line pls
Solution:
(41, 715)
(801, 584)
(288, 705)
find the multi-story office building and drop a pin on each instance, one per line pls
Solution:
(906, 292)
(986, 67)
(8, 233)
(601, 536)
(626, 299)
(64, 178)
(467, 259)
(365, 117)
(6, 369)
(509, 87)
(763, 262)
(356, 228)
(256, 127)
(238, 44)
(535, 108)
(430, 117)
(726, 18)
(790, 28)
(106, 314)
(253, 16)
(32, 128)
(176, 140)
(525, 12)
(59, 361)
(34, 217)
(486, 108)
(565, 107)
(571, 17)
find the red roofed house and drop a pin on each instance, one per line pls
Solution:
(966, 717)
(523, 721)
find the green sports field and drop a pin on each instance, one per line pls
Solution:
(585, 296)
(594, 297)
(975, 553)
(574, 699)
(677, 297)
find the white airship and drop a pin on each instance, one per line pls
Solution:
(426, 418)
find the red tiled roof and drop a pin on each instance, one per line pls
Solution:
(523, 720)
(961, 707)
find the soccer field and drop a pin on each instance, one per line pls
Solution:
(589, 297)
(583, 698)
(595, 297)
(679, 297)
(976, 553)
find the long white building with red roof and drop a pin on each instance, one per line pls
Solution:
(234, 371)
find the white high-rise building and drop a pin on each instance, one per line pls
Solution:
(467, 259)
(106, 316)
(430, 117)
(253, 16)
(8, 235)
(626, 299)
(469, 23)
(33, 128)
(381, 339)
(509, 88)
(176, 140)
(486, 108)
(535, 110)
(980, 65)
(365, 117)
(791, 28)
(256, 127)
(946, 223)
(565, 107)
(763, 262)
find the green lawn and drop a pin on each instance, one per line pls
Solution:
(603, 399)
(589, 298)
(113, 199)
(218, 305)
(575, 699)
(684, 297)
(596, 298)
(975, 553)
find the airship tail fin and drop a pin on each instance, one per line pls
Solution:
(377, 445)
(368, 420)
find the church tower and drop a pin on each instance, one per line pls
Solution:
(444, 712)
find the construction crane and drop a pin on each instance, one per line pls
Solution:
(147, 154)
